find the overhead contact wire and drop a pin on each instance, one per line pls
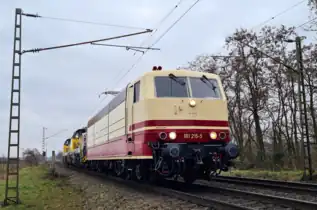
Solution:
(177, 5)
(162, 21)
(140, 57)
(169, 28)
(92, 23)
(309, 21)
(280, 13)
(154, 32)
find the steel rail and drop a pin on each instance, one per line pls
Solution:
(267, 183)
(200, 195)
(294, 203)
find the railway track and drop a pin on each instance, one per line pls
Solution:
(266, 183)
(210, 196)
(212, 203)
(246, 199)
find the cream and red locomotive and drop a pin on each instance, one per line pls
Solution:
(164, 124)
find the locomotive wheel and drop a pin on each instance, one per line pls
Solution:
(119, 168)
(139, 172)
(189, 177)
(128, 175)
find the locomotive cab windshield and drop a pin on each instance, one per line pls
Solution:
(196, 98)
(187, 87)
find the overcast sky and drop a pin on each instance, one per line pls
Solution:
(60, 87)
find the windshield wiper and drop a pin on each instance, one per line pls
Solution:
(176, 79)
(205, 80)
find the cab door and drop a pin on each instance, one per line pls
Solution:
(133, 96)
(129, 119)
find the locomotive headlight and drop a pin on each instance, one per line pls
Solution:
(213, 135)
(192, 103)
(172, 135)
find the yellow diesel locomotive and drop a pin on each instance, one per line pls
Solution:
(74, 151)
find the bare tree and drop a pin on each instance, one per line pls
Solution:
(312, 5)
(261, 88)
(32, 156)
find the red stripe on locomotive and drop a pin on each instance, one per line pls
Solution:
(149, 123)
(120, 147)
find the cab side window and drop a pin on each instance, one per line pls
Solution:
(136, 92)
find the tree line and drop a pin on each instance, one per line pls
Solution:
(30, 157)
(261, 86)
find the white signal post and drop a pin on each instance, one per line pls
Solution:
(46, 138)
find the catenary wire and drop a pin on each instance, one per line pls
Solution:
(272, 58)
(173, 25)
(161, 22)
(258, 25)
(277, 60)
(140, 57)
(92, 23)
(272, 18)
(302, 24)
(280, 13)
(157, 26)
(164, 33)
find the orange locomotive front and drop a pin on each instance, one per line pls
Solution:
(167, 123)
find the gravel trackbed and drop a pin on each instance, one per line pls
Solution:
(104, 194)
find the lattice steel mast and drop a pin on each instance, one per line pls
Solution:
(14, 118)
(12, 165)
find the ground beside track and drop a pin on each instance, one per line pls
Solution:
(40, 190)
(105, 194)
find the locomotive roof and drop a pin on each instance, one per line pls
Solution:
(119, 98)
(80, 130)
(181, 72)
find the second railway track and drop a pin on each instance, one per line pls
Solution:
(245, 199)
(215, 197)
(272, 184)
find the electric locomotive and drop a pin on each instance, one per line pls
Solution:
(167, 124)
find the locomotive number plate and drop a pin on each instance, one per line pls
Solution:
(193, 135)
